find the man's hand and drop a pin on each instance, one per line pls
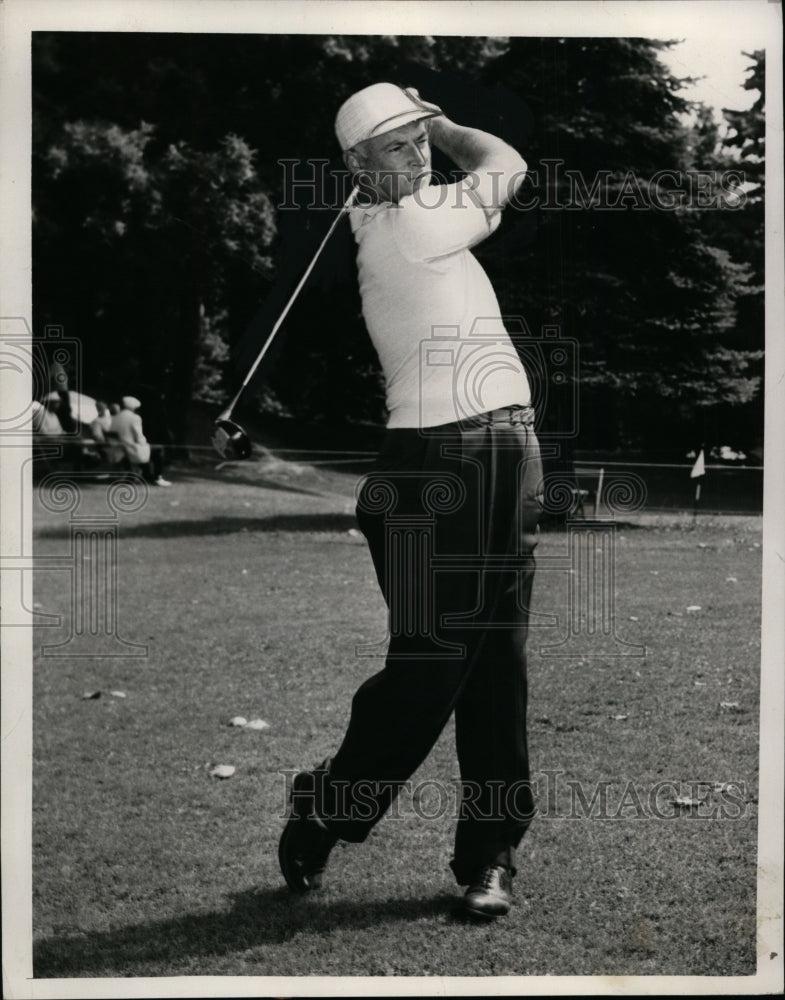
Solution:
(495, 169)
(414, 95)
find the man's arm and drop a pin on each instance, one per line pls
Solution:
(495, 169)
(138, 433)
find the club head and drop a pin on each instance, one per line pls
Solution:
(230, 440)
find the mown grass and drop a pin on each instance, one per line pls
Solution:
(251, 595)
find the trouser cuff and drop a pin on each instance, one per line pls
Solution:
(465, 869)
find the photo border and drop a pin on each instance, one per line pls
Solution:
(650, 18)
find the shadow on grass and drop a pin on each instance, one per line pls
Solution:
(271, 916)
(243, 477)
(226, 526)
(181, 477)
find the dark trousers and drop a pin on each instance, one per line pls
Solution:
(450, 515)
(155, 467)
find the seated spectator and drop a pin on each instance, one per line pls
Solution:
(127, 427)
(115, 452)
(95, 452)
(45, 418)
(102, 423)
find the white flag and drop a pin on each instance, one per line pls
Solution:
(699, 469)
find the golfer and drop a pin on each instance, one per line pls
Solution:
(450, 510)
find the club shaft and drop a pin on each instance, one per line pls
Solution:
(267, 344)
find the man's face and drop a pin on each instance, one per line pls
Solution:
(393, 165)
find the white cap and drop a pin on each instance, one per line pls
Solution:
(130, 402)
(375, 110)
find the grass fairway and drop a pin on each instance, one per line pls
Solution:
(251, 594)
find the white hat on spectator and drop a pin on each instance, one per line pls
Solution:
(377, 109)
(130, 403)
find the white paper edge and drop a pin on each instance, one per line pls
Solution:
(655, 18)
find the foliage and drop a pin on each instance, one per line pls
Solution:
(160, 233)
(644, 288)
(160, 239)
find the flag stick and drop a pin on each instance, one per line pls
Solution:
(697, 498)
(598, 494)
(698, 472)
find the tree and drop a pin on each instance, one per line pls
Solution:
(650, 299)
(157, 172)
(739, 231)
(161, 232)
(160, 236)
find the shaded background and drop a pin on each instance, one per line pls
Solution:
(158, 241)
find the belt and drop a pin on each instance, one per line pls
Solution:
(505, 415)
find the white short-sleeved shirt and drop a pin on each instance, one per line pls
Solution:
(430, 309)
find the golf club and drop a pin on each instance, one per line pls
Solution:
(229, 439)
